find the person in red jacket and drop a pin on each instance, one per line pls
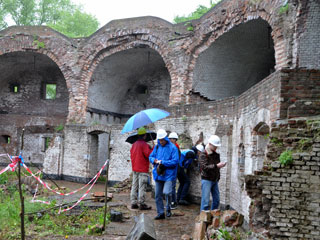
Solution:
(139, 153)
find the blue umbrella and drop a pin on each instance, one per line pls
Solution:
(144, 118)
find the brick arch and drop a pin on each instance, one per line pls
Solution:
(226, 16)
(97, 129)
(115, 46)
(87, 74)
(23, 43)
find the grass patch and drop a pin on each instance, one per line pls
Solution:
(78, 221)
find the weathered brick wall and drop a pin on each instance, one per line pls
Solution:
(300, 93)
(309, 35)
(286, 198)
(36, 129)
(120, 165)
(76, 157)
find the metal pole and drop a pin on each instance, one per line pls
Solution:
(106, 185)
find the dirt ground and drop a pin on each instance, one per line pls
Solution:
(182, 221)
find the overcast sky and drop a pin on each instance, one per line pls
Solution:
(107, 10)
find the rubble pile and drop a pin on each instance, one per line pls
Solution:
(216, 223)
(124, 186)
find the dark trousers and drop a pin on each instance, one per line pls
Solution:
(184, 184)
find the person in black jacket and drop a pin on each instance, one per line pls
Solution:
(210, 174)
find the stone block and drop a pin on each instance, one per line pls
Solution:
(205, 216)
(115, 216)
(215, 222)
(239, 221)
(229, 217)
(186, 237)
(199, 231)
(143, 229)
(216, 213)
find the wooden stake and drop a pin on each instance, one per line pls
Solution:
(106, 185)
(20, 192)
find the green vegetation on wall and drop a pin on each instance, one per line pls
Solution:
(201, 10)
(286, 158)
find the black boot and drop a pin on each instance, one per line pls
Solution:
(168, 213)
(144, 207)
(160, 216)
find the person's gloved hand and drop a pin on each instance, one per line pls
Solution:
(161, 169)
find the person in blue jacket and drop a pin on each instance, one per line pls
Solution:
(165, 158)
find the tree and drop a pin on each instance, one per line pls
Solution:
(3, 24)
(76, 24)
(61, 15)
(201, 10)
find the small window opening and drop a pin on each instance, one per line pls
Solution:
(5, 139)
(46, 143)
(15, 88)
(50, 91)
(142, 89)
(241, 158)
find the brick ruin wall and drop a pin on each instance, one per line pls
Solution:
(286, 198)
(76, 152)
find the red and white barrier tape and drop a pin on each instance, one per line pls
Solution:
(70, 193)
(12, 166)
(83, 196)
(86, 193)
(4, 170)
(17, 160)
(34, 196)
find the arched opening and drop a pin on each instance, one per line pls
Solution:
(260, 140)
(129, 81)
(236, 61)
(33, 96)
(32, 84)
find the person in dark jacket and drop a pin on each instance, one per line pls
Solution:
(210, 174)
(139, 153)
(186, 159)
(164, 158)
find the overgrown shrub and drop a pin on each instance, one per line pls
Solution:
(286, 158)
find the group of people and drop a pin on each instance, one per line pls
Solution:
(169, 163)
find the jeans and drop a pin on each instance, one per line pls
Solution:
(138, 189)
(174, 198)
(163, 187)
(184, 184)
(208, 187)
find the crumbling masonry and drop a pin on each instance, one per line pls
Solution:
(248, 70)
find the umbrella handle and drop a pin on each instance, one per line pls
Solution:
(151, 139)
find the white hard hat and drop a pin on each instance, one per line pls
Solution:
(173, 135)
(214, 140)
(161, 134)
(200, 147)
